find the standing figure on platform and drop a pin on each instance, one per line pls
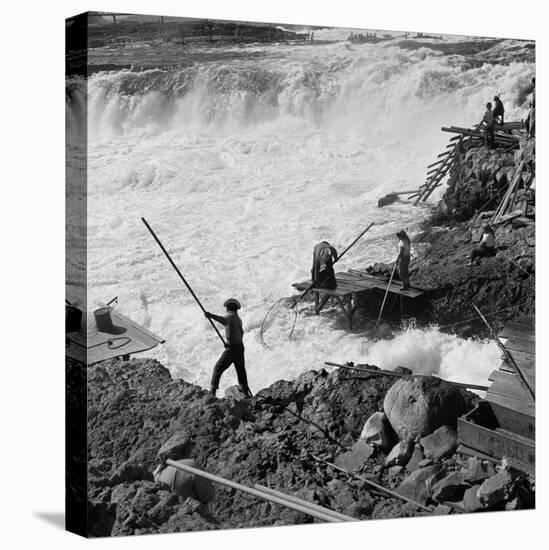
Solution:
(488, 120)
(499, 111)
(234, 348)
(403, 259)
(322, 272)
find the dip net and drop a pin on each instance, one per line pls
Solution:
(279, 322)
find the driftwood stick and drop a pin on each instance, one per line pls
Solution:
(296, 500)
(382, 372)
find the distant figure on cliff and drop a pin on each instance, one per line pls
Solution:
(488, 120)
(234, 348)
(322, 272)
(499, 111)
(487, 246)
(403, 259)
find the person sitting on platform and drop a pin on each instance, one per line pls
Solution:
(487, 246)
(234, 348)
(488, 120)
(403, 259)
(499, 111)
(322, 272)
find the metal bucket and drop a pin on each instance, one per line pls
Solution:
(103, 320)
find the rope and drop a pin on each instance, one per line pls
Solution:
(477, 319)
(514, 263)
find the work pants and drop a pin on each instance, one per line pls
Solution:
(232, 355)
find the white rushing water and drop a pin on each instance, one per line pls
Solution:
(243, 163)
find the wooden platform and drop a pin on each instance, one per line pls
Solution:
(128, 338)
(503, 425)
(506, 389)
(352, 282)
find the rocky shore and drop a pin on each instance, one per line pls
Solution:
(370, 426)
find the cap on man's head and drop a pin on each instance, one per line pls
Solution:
(233, 304)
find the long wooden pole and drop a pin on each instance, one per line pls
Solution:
(303, 507)
(291, 498)
(386, 293)
(375, 485)
(382, 372)
(339, 258)
(181, 276)
(510, 358)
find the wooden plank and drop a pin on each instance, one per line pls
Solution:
(502, 375)
(523, 407)
(336, 292)
(514, 421)
(509, 388)
(520, 330)
(473, 133)
(518, 450)
(377, 282)
(524, 346)
(528, 371)
(464, 449)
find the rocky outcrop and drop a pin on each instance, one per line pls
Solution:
(269, 439)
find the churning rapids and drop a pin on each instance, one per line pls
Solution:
(242, 158)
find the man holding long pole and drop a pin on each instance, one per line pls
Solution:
(234, 348)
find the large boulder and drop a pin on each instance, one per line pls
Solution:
(378, 432)
(416, 406)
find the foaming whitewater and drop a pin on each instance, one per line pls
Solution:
(242, 159)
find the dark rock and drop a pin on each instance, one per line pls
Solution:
(451, 487)
(130, 471)
(417, 486)
(377, 432)
(236, 393)
(178, 446)
(355, 458)
(417, 406)
(441, 443)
